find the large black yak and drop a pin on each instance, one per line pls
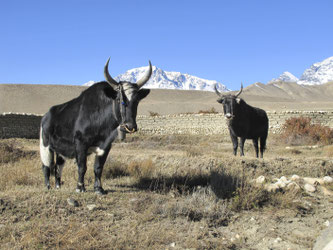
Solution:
(89, 124)
(244, 121)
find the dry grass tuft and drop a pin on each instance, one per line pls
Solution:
(193, 152)
(196, 206)
(24, 172)
(69, 236)
(141, 169)
(11, 152)
(114, 169)
(329, 151)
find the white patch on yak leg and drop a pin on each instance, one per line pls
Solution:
(45, 154)
(96, 150)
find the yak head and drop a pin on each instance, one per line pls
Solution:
(230, 103)
(128, 97)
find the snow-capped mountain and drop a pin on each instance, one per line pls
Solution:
(318, 73)
(285, 77)
(161, 79)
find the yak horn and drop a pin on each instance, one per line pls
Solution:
(113, 83)
(145, 79)
(239, 92)
(216, 91)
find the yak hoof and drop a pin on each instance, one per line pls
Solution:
(80, 189)
(100, 191)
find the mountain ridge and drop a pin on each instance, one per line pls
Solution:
(161, 79)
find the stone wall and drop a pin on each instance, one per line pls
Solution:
(27, 125)
(19, 125)
(215, 123)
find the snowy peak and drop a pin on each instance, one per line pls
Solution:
(161, 79)
(318, 73)
(285, 77)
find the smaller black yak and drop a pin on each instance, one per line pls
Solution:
(244, 121)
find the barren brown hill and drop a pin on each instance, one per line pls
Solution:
(31, 98)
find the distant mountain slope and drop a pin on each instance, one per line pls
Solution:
(291, 91)
(31, 98)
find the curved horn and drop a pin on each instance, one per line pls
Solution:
(145, 79)
(216, 91)
(113, 83)
(239, 92)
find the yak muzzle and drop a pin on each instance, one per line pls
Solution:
(128, 129)
(229, 116)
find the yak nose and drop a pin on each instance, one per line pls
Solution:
(129, 128)
(228, 116)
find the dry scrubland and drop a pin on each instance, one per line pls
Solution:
(165, 192)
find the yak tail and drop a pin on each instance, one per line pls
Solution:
(263, 142)
(46, 154)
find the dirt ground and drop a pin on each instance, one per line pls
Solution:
(165, 192)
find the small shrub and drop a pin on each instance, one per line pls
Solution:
(199, 205)
(295, 151)
(152, 113)
(114, 169)
(300, 130)
(248, 196)
(141, 169)
(209, 111)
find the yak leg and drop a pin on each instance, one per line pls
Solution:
(242, 141)
(60, 162)
(262, 145)
(255, 144)
(47, 172)
(81, 160)
(98, 169)
(234, 140)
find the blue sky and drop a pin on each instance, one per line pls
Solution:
(68, 42)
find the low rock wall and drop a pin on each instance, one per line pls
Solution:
(27, 125)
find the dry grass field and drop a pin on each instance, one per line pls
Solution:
(165, 192)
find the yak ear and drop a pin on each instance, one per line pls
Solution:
(220, 100)
(110, 93)
(143, 93)
(238, 100)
